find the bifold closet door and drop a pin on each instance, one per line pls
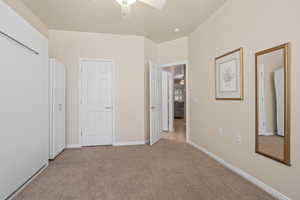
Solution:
(58, 107)
(24, 100)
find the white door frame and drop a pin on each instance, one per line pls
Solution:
(114, 107)
(187, 96)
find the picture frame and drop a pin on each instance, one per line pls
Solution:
(229, 75)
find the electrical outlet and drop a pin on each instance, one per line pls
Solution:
(238, 138)
(221, 132)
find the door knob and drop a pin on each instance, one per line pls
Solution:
(152, 107)
(108, 107)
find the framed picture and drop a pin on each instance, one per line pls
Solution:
(230, 76)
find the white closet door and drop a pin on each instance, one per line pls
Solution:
(165, 101)
(155, 103)
(96, 103)
(59, 108)
(24, 101)
(58, 134)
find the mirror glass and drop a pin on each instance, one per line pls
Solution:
(271, 134)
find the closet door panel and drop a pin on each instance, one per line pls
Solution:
(57, 135)
(24, 83)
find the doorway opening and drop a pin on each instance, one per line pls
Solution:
(174, 103)
(168, 102)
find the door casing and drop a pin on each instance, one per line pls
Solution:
(187, 98)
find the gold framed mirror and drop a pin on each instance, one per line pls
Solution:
(273, 103)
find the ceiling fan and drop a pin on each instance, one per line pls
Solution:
(125, 5)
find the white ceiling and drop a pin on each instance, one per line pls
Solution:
(104, 16)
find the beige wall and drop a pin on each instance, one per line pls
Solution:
(151, 54)
(173, 51)
(23, 11)
(254, 25)
(127, 53)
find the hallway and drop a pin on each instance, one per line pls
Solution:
(179, 135)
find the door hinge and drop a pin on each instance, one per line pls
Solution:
(81, 133)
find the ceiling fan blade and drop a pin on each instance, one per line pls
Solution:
(159, 4)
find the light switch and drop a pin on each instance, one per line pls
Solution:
(238, 138)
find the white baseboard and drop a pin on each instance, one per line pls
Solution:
(15, 193)
(135, 143)
(243, 174)
(73, 146)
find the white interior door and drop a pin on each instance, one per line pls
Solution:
(165, 101)
(58, 79)
(171, 100)
(155, 102)
(61, 96)
(96, 103)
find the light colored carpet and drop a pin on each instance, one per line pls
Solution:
(166, 171)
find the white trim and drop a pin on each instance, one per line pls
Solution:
(114, 96)
(73, 146)
(135, 143)
(185, 62)
(15, 193)
(243, 174)
(187, 108)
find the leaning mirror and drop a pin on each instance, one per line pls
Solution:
(272, 104)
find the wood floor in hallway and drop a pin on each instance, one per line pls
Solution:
(179, 134)
(167, 170)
